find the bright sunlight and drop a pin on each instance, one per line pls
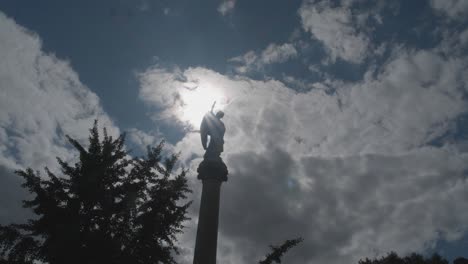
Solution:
(197, 100)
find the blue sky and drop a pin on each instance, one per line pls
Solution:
(350, 115)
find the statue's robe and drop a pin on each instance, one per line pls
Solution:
(212, 126)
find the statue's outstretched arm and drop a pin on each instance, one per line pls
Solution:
(212, 107)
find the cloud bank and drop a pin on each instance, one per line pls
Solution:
(355, 172)
(42, 99)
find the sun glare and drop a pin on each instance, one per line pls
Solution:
(198, 100)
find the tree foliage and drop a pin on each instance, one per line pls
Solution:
(106, 208)
(393, 258)
(278, 251)
(460, 260)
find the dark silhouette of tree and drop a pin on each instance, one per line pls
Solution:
(278, 251)
(460, 261)
(106, 208)
(393, 258)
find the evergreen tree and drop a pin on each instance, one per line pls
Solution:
(460, 260)
(106, 208)
(393, 258)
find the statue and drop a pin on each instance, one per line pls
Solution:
(212, 172)
(212, 126)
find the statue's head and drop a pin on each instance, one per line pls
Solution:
(219, 114)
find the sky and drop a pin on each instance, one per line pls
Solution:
(347, 120)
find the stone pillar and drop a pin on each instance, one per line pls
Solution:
(212, 174)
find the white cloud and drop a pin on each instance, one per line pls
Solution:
(272, 54)
(464, 38)
(41, 99)
(335, 28)
(454, 9)
(453, 40)
(352, 207)
(246, 61)
(350, 171)
(278, 53)
(392, 109)
(143, 139)
(226, 7)
(161, 87)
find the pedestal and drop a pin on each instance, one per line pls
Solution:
(212, 174)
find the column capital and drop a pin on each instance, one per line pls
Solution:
(212, 170)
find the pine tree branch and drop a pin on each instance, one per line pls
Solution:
(279, 251)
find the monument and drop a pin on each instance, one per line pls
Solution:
(212, 172)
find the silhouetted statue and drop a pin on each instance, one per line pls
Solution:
(212, 126)
(212, 172)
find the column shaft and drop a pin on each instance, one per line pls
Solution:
(207, 232)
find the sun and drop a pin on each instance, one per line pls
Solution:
(197, 101)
